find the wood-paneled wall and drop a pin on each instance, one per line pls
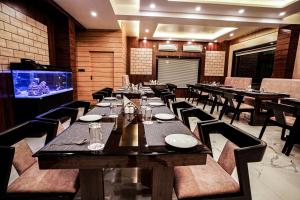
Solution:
(286, 50)
(99, 41)
(133, 42)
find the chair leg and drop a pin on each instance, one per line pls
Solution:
(224, 108)
(283, 137)
(236, 112)
(263, 129)
(288, 146)
(205, 103)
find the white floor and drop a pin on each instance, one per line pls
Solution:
(277, 177)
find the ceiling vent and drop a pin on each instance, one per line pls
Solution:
(192, 48)
(167, 47)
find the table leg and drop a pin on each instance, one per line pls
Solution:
(91, 184)
(162, 183)
(214, 105)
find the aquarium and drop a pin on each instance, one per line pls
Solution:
(40, 83)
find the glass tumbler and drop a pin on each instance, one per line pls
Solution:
(96, 137)
(148, 115)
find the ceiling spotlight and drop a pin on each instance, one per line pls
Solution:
(210, 43)
(231, 34)
(145, 40)
(189, 42)
(94, 14)
(216, 41)
(168, 41)
(193, 40)
(147, 30)
(282, 13)
(241, 11)
(152, 5)
(198, 8)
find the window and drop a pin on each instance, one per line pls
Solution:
(256, 62)
(178, 71)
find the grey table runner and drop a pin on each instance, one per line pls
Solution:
(161, 109)
(103, 111)
(76, 132)
(155, 133)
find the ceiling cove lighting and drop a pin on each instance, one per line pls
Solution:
(147, 30)
(241, 11)
(282, 13)
(152, 5)
(198, 8)
(93, 14)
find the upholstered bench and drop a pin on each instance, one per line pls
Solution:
(238, 82)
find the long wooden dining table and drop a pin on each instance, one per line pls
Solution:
(258, 96)
(131, 144)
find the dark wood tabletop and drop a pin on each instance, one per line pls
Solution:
(130, 145)
(291, 101)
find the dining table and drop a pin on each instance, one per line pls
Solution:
(128, 143)
(259, 98)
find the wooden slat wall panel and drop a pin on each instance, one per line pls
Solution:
(102, 54)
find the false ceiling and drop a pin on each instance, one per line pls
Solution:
(201, 20)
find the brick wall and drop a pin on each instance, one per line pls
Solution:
(21, 37)
(214, 63)
(141, 61)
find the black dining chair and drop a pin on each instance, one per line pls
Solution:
(172, 87)
(277, 115)
(82, 106)
(203, 116)
(169, 98)
(32, 182)
(213, 180)
(234, 103)
(176, 106)
(189, 92)
(61, 116)
(100, 95)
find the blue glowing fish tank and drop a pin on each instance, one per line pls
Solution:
(40, 83)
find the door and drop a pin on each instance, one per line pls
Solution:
(102, 70)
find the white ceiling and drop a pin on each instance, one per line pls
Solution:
(178, 19)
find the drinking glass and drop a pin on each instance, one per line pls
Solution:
(144, 101)
(96, 137)
(113, 109)
(147, 115)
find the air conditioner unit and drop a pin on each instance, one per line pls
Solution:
(192, 48)
(167, 47)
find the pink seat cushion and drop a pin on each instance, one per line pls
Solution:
(34, 180)
(227, 158)
(23, 157)
(203, 180)
(289, 120)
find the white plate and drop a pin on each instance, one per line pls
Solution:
(110, 98)
(90, 118)
(181, 140)
(156, 104)
(155, 98)
(103, 104)
(121, 89)
(164, 116)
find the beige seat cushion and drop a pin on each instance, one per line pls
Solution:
(34, 180)
(203, 180)
(23, 157)
(243, 105)
(289, 120)
(238, 82)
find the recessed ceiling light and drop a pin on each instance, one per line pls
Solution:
(210, 43)
(241, 11)
(216, 41)
(147, 30)
(231, 34)
(94, 14)
(152, 5)
(145, 40)
(189, 42)
(282, 13)
(198, 8)
(168, 41)
(193, 40)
